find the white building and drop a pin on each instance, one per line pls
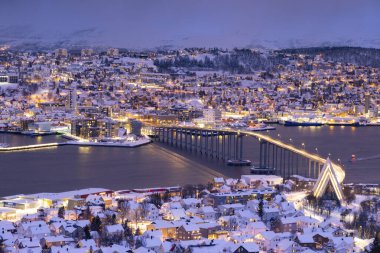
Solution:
(271, 180)
(212, 116)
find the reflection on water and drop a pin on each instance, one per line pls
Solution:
(341, 142)
(69, 167)
(84, 150)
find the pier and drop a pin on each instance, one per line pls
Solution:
(31, 147)
(82, 143)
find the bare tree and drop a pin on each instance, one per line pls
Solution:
(124, 210)
(135, 215)
(145, 208)
(232, 223)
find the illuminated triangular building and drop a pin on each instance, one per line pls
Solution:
(332, 174)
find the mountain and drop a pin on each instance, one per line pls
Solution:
(176, 24)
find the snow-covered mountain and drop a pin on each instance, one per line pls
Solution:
(174, 24)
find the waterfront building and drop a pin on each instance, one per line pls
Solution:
(134, 127)
(85, 128)
(212, 116)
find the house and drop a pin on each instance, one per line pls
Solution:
(306, 240)
(112, 230)
(95, 200)
(286, 224)
(343, 244)
(320, 240)
(287, 207)
(152, 212)
(249, 247)
(119, 249)
(167, 228)
(188, 232)
(23, 227)
(152, 243)
(247, 216)
(256, 227)
(265, 239)
(208, 230)
(29, 244)
(340, 232)
(190, 203)
(270, 213)
(218, 182)
(304, 222)
(39, 231)
(286, 246)
(207, 213)
(7, 226)
(90, 243)
(59, 240)
(230, 209)
(175, 214)
(73, 231)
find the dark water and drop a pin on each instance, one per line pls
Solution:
(69, 167)
(341, 142)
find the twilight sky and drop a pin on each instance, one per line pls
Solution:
(207, 23)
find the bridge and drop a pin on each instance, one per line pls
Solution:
(227, 144)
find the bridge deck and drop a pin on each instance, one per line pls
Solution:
(313, 157)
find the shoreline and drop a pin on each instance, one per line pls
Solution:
(151, 189)
(73, 140)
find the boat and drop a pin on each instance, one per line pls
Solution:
(262, 171)
(353, 157)
(271, 121)
(37, 133)
(260, 127)
(338, 121)
(234, 162)
(302, 123)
